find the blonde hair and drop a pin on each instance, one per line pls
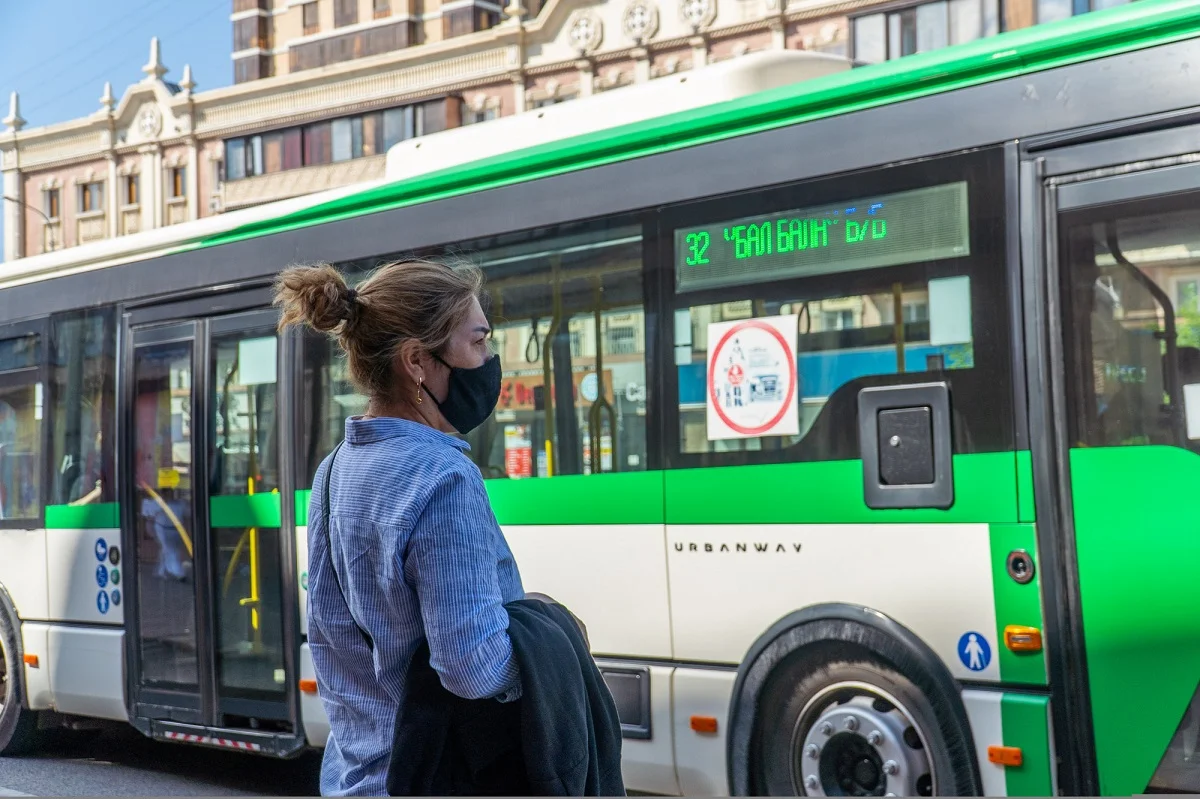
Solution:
(420, 300)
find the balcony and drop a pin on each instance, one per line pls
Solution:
(91, 226)
(176, 210)
(131, 220)
(251, 5)
(305, 180)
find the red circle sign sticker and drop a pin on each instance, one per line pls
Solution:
(752, 379)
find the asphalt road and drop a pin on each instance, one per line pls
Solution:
(122, 762)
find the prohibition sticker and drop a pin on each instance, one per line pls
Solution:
(752, 378)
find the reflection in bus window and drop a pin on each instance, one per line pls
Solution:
(21, 412)
(162, 469)
(919, 327)
(83, 396)
(1132, 286)
(20, 434)
(567, 312)
(570, 331)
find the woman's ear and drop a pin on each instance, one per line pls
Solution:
(409, 361)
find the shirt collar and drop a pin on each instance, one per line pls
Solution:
(369, 431)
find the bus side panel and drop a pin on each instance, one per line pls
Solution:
(87, 671)
(1138, 539)
(729, 583)
(614, 577)
(23, 571)
(85, 576)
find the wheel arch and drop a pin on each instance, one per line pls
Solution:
(859, 626)
(8, 610)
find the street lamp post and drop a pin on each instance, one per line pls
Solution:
(39, 212)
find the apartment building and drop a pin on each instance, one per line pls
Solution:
(322, 88)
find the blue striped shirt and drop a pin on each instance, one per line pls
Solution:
(420, 556)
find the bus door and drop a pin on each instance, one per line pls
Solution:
(1120, 437)
(212, 639)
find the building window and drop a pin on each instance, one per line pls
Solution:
(312, 23)
(545, 101)
(921, 28)
(382, 8)
(332, 141)
(91, 197)
(178, 175)
(473, 117)
(345, 12)
(52, 203)
(131, 189)
(383, 38)
(462, 21)
(249, 33)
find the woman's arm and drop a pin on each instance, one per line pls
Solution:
(451, 559)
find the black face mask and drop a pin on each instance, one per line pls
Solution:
(471, 396)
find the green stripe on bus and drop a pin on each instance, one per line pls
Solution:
(831, 492)
(98, 516)
(1027, 725)
(1016, 603)
(245, 510)
(617, 498)
(1025, 500)
(1014, 53)
(302, 507)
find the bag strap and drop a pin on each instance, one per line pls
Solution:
(329, 546)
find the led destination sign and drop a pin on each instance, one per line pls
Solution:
(920, 225)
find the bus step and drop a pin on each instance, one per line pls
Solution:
(270, 744)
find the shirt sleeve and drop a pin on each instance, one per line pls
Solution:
(451, 559)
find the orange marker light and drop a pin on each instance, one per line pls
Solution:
(308, 686)
(1005, 755)
(1023, 639)
(31, 661)
(705, 724)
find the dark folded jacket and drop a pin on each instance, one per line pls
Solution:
(561, 738)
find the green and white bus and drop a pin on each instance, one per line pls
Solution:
(858, 416)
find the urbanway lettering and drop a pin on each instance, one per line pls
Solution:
(755, 546)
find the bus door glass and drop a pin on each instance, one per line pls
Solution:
(206, 523)
(1128, 265)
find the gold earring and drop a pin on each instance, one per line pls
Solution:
(419, 392)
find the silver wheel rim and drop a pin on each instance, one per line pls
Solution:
(855, 739)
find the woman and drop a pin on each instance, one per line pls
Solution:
(412, 551)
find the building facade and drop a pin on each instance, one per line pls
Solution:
(324, 87)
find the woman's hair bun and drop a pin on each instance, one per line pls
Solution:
(317, 296)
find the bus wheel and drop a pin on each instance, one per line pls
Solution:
(18, 726)
(850, 727)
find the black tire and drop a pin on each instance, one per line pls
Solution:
(805, 675)
(18, 726)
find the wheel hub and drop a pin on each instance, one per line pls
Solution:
(853, 739)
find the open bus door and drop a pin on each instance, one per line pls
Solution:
(212, 639)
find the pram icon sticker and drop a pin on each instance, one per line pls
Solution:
(752, 378)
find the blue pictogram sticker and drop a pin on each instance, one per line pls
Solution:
(116, 597)
(101, 548)
(974, 651)
(102, 602)
(101, 575)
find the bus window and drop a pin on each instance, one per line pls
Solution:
(21, 413)
(1132, 290)
(82, 396)
(566, 307)
(785, 308)
(567, 312)
(836, 339)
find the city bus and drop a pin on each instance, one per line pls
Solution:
(856, 416)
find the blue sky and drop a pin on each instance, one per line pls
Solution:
(59, 53)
